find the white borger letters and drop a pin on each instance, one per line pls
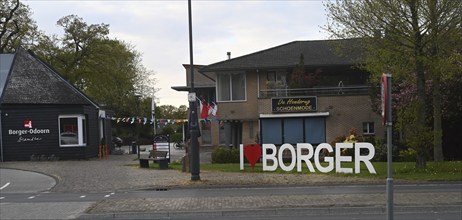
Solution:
(270, 153)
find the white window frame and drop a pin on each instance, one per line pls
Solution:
(231, 99)
(368, 125)
(81, 130)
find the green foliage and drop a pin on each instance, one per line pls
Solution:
(17, 27)
(108, 70)
(167, 129)
(442, 171)
(416, 137)
(172, 112)
(415, 41)
(301, 79)
(176, 137)
(407, 155)
(225, 155)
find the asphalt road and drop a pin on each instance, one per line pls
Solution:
(42, 204)
(24, 197)
(12, 181)
(28, 195)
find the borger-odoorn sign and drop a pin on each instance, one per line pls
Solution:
(253, 152)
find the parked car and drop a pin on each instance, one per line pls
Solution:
(69, 138)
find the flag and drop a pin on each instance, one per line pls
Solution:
(214, 109)
(204, 109)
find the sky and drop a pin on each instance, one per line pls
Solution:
(159, 30)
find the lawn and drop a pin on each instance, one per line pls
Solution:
(441, 171)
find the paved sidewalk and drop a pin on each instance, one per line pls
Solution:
(276, 205)
(121, 173)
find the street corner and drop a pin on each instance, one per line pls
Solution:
(14, 181)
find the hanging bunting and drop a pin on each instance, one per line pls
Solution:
(145, 120)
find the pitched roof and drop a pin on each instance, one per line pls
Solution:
(316, 53)
(5, 65)
(31, 81)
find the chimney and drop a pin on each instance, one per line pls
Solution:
(229, 55)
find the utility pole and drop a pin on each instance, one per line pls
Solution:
(193, 122)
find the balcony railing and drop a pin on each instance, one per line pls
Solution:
(318, 91)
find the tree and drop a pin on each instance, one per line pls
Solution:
(16, 26)
(78, 47)
(110, 71)
(172, 112)
(301, 79)
(413, 39)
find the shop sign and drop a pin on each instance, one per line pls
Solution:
(286, 105)
(27, 124)
(253, 152)
(29, 130)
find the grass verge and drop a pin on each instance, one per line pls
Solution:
(435, 171)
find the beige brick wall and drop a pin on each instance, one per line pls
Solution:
(242, 110)
(345, 112)
(250, 129)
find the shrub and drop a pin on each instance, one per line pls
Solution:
(225, 155)
(407, 155)
(176, 138)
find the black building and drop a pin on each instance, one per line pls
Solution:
(42, 114)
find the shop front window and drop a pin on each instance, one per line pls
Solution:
(72, 130)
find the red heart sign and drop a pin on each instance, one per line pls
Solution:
(252, 152)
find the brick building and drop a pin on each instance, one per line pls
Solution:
(299, 92)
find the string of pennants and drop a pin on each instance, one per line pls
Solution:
(205, 111)
(146, 121)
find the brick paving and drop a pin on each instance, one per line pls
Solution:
(121, 173)
(270, 202)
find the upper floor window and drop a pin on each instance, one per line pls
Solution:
(231, 87)
(276, 80)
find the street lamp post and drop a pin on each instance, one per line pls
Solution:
(193, 122)
(137, 136)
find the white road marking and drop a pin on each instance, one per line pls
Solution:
(30, 197)
(4, 186)
(83, 196)
(110, 194)
(2, 198)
